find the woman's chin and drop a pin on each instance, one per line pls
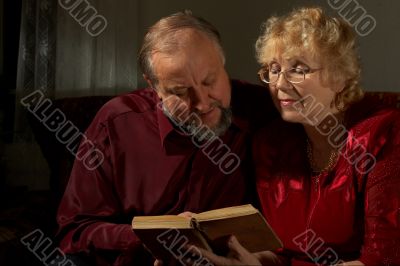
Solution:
(292, 117)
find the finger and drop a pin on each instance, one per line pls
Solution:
(158, 263)
(186, 214)
(242, 254)
(192, 257)
(235, 246)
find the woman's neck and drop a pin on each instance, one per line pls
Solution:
(322, 156)
(316, 139)
(319, 140)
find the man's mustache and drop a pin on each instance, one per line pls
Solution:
(214, 104)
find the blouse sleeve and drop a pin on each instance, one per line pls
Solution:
(382, 204)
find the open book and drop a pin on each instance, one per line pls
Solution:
(168, 235)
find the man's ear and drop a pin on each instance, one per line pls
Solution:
(147, 79)
(151, 85)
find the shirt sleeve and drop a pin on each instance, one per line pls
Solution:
(90, 215)
(382, 205)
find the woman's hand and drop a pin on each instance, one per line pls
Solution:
(158, 263)
(238, 255)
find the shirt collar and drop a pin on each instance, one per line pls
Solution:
(164, 124)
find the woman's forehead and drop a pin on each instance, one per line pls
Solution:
(281, 53)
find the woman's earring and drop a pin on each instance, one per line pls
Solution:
(333, 102)
(337, 102)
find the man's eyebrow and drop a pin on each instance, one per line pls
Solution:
(210, 76)
(176, 88)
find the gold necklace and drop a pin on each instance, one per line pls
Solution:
(317, 170)
(331, 162)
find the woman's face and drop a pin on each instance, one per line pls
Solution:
(307, 102)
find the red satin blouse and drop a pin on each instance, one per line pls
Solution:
(346, 215)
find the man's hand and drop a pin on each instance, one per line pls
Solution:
(186, 214)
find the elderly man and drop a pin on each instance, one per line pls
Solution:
(172, 148)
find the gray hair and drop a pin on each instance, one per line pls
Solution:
(161, 37)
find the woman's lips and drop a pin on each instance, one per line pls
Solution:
(286, 103)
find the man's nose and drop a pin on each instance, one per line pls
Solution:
(201, 100)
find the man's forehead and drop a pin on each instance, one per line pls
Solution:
(170, 69)
(182, 39)
(179, 70)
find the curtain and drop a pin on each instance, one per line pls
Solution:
(63, 55)
(104, 64)
(36, 60)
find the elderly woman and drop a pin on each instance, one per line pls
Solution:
(328, 172)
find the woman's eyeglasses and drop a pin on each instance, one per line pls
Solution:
(293, 75)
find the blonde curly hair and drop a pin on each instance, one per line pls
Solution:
(330, 40)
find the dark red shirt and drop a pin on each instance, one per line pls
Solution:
(149, 168)
(348, 213)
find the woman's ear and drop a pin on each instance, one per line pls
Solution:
(339, 86)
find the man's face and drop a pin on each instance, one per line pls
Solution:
(194, 76)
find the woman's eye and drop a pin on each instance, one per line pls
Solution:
(300, 70)
(274, 68)
(274, 71)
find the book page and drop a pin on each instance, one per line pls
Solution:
(223, 213)
(163, 221)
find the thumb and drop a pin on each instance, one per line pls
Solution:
(158, 263)
(236, 247)
(186, 214)
(240, 253)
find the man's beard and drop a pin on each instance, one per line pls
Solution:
(218, 130)
(224, 122)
